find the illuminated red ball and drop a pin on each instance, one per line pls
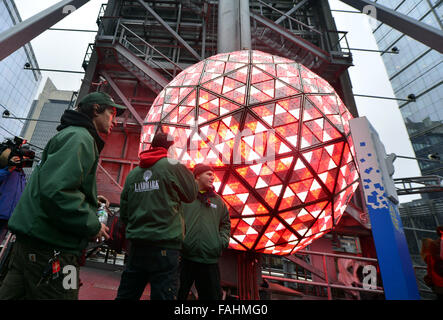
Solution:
(278, 137)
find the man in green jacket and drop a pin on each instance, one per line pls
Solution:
(208, 229)
(56, 215)
(151, 208)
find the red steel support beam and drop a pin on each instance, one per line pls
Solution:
(109, 176)
(122, 97)
(321, 284)
(291, 37)
(170, 30)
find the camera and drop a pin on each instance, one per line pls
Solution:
(20, 149)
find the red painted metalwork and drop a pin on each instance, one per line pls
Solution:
(278, 136)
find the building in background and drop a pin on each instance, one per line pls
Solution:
(420, 219)
(417, 70)
(47, 110)
(17, 85)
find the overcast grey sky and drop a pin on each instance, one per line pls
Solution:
(62, 49)
(66, 50)
(369, 77)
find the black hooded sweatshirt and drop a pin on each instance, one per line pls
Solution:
(74, 118)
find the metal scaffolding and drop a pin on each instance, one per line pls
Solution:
(419, 185)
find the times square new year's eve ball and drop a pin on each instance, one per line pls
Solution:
(278, 137)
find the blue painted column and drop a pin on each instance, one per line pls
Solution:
(381, 202)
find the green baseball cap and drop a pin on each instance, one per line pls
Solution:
(102, 99)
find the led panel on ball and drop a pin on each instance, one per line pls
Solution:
(278, 137)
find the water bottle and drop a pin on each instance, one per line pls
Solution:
(102, 214)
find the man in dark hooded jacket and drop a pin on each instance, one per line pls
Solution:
(56, 215)
(151, 208)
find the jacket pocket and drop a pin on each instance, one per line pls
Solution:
(220, 246)
(212, 247)
(190, 246)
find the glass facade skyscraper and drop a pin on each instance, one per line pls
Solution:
(17, 85)
(417, 69)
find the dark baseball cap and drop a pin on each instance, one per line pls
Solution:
(102, 98)
(200, 168)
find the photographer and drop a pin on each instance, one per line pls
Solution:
(12, 179)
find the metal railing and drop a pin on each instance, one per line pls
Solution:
(340, 46)
(88, 55)
(414, 185)
(267, 273)
(143, 49)
(333, 41)
(420, 289)
(301, 24)
(74, 97)
(101, 13)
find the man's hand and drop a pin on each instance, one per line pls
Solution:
(103, 200)
(102, 235)
(16, 159)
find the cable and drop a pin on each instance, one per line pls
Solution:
(54, 70)
(378, 97)
(78, 30)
